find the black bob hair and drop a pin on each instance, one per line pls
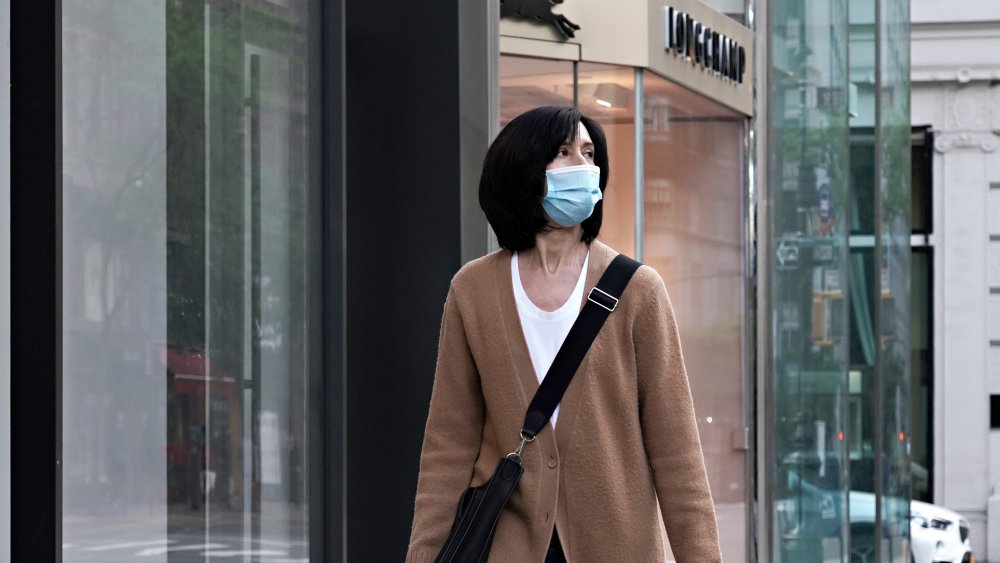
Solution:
(513, 179)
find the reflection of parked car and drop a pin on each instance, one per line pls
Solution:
(937, 535)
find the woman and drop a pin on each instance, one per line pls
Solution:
(624, 434)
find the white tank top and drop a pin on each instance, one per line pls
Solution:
(545, 331)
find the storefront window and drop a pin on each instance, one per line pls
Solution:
(692, 149)
(527, 83)
(607, 94)
(693, 236)
(188, 230)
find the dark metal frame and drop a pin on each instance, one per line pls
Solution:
(926, 144)
(931, 413)
(35, 279)
(327, 421)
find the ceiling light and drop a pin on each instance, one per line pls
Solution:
(611, 95)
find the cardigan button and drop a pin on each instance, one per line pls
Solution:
(552, 462)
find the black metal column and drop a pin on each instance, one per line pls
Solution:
(36, 179)
(326, 400)
(403, 245)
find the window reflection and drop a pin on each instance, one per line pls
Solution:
(527, 83)
(607, 94)
(694, 238)
(186, 240)
(808, 221)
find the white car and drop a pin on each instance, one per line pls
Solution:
(937, 535)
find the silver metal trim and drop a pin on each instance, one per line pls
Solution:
(876, 287)
(602, 305)
(5, 329)
(763, 447)
(640, 166)
(493, 93)
(516, 454)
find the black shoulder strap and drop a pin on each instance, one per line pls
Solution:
(601, 301)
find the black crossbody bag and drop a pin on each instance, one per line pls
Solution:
(479, 507)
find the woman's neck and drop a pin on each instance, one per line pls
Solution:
(557, 249)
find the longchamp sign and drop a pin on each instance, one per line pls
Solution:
(701, 45)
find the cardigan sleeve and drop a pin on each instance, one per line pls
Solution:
(452, 438)
(670, 431)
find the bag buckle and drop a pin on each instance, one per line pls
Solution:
(603, 299)
(516, 454)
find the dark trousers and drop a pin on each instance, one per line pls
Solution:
(555, 554)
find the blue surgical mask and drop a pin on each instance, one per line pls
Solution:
(573, 191)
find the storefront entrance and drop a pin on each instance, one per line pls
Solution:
(682, 158)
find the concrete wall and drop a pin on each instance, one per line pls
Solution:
(729, 7)
(929, 11)
(954, 76)
(5, 282)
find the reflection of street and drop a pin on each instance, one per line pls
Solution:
(114, 540)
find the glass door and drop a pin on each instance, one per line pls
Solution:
(190, 226)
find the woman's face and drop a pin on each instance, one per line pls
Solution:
(576, 152)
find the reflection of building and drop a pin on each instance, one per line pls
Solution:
(260, 205)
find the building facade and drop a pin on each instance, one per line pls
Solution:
(223, 306)
(954, 76)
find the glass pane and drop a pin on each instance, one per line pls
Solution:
(808, 181)
(527, 83)
(864, 222)
(880, 274)
(693, 235)
(189, 225)
(607, 94)
(894, 193)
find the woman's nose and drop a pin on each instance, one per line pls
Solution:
(578, 158)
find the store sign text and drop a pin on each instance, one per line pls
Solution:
(687, 37)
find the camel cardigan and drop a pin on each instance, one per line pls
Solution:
(626, 434)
